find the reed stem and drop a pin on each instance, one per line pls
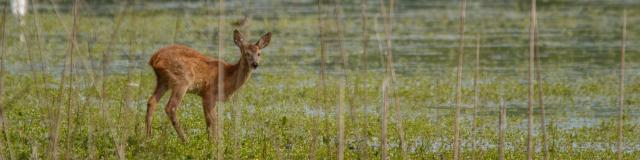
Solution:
(3, 122)
(456, 127)
(383, 114)
(619, 146)
(531, 82)
(363, 148)
(320, 87)
(501, 128)
(476, 99)
(543, 124)
(340, 119)
(220, 117)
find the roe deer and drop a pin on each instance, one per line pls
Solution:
(183, 70)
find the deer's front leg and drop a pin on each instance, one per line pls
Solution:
(209, 105)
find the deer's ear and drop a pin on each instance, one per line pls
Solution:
(238, 38)
(264, 40)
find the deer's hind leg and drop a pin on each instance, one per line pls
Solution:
(176, 96)
(161, 88)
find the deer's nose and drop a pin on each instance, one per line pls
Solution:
(254, 65)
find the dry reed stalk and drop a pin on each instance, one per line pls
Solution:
(381, 49)
(387, 19)
(141, 72)
(543, 126)
(365, 67)
(476, 98)
(276, 143)
(90, 140)
(345, 65)
(54, 121)
(44, 96)
(34, 151)
(38, 43)
(70, 91)
(5, 127)
(220, 117)
(340, 117)
(103, 80)
(105, 61)
(236, 127)
(132, 66)
(532, 33)
(323, 46)
(66, 28)
(620, 144)
(383, 132)
(388, 29)
(119, 133)
(54, 113)
(30, 58)
(130, 69)
(128, 104)
(456, 127)
(38, 90)
(54, 128)
(501, 128)
(320, 87)
(365, 35)
(398, 117)
(339, 30)
(176, 30)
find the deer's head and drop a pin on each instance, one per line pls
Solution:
(251, 52)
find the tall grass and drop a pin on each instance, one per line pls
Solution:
(54, 129)
(104, 98)
(387, 13)
(620, 144)
(321, 84)
(340, 120)
(38, 44)
(3, 123)
(343, 81)
(365, 35)
(396, 98)
(383, 119)
(363, 136)
(340, 32)
(28, 45)
(176, 31)
(543, 124)
(70, 84)
(532, 33)
(456, 126)
(501, 128)
(125, 110)
(220, 107)
(476, 99)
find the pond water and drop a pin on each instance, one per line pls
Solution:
(578, 41)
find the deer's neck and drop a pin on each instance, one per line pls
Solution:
(237, 75)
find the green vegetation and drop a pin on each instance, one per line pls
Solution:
(277, 118)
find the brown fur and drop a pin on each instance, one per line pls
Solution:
(184, 70)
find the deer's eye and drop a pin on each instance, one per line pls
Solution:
(258, 53)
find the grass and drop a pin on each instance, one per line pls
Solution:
(282, 122)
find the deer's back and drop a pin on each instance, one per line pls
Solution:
(183, 65)
(176, 54)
